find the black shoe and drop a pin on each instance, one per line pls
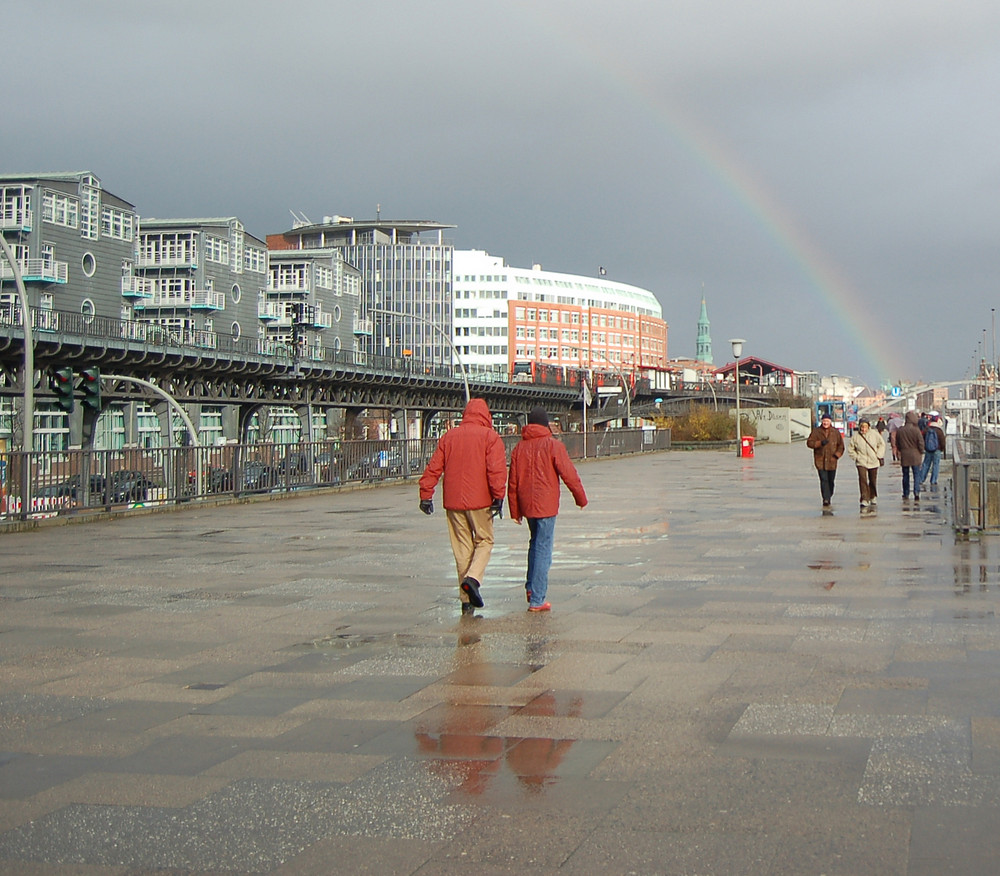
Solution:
(468, 608)
(470, 587)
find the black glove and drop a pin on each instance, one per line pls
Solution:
(427, 506)
(496, 509)
(823, 443)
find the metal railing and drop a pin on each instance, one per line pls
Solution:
(50, 483)
(975, 481)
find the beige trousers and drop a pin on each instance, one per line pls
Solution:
(471, 534)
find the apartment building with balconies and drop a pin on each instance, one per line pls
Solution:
(311, 302)
(198, 279)
(405, 307)
(72, 241)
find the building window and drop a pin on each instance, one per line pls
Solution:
(216, 250)
(88, 310)
(89, 264)
(255, 259)
(118, 224)
(60, 209)
(235, 293)
(236, 331)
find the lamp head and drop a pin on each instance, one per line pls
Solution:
(737, 347)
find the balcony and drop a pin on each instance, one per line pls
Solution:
(320, 320)
(14, 219)
(36, 271)
(270, 310)
(178, 260)
(191, 299)
(362, 326)
(299, 287)
(137, 287)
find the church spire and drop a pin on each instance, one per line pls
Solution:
(704, 343)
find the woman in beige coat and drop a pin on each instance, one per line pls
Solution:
(867, 449)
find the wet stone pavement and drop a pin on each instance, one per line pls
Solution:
(730, 682)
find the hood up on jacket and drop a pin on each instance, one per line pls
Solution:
(477, 412)
(535, 430)
(912, 418)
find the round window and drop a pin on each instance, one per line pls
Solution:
(336, 345)
(336, 313)
(236, 330)
(88, 310)
(89, 264)
(235, 293)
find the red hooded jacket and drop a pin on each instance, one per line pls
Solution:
(472, 459)
(536, 465)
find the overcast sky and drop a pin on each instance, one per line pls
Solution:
(826, 174)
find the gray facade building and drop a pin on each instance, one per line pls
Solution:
(311, 301)
(199, 278)
(74, 243)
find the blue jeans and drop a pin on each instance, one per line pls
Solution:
(542, 530)
(932, 462)
(916, 470)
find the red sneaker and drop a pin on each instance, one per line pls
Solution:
(545, 606)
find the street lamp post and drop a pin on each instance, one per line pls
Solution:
(625, 386)
(737, 352)
(28, 429)
(440, 331)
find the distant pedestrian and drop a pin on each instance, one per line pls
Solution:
(934, 441)
(910, 446)
(827, 445)
(895, 424)
(881, 426)
(472, 459)
(867, 449)
(537, 464)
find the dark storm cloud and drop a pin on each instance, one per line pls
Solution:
(691, 146)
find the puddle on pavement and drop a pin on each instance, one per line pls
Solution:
(344, 641)
(458, 741)
(637, 535)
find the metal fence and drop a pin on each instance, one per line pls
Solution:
(45, 484)
(976, 481)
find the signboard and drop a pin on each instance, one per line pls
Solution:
(609, 390)
(962, 404)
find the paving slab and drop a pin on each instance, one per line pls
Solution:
(730, 681)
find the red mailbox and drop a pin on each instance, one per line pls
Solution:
(746, 447)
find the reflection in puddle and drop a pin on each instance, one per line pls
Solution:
(457, 738)
(974, 573)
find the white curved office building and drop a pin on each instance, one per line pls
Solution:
(505, 315)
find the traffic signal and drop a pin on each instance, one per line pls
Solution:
(61, 382)
(90, 383)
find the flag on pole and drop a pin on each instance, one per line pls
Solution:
(588, 397)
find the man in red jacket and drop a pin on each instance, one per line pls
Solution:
(536, 465)
(472, 459)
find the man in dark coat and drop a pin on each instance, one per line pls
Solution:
(827, 445)
(910, 445)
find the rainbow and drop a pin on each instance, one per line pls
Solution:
(706, 148)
